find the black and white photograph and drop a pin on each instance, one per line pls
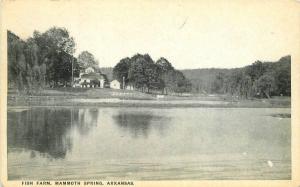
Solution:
(118, 92)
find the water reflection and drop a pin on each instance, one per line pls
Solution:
(48, 130)
(140, 123)
(147, 143)
(85, 120)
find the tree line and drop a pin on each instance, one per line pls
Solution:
(142, 73)
(44, 60)
(260, 79)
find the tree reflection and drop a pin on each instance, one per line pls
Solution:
(86, 119)
(140, 123)
(48, 130)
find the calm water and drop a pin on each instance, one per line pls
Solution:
(148, 143)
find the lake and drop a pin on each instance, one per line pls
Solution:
(62, 143)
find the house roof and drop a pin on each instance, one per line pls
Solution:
(115, 81)
(90, 68)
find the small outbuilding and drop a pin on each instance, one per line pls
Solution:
(115, 84)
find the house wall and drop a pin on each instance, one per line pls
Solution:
(84, 79)
(101, 83)
(89, 70)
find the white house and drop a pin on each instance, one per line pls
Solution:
(115, 84)
(89, 70)
(92, 80)
(89, 78)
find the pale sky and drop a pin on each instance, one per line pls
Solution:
(190, 33)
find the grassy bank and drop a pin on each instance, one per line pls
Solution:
(85, 93)
(116, 98)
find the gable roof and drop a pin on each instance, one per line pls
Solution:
(115, 80)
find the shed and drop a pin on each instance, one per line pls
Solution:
(115, 84)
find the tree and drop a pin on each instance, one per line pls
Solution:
(165, 70)
(283, 76)
(218, 83)
(181, 83)
(171, 79)
(41, 59)
(121, 70)
(56, 48)
(43, 71)
(141, 72)
(87, 59)
(265, 85)
(16, 62)
(137, 71)
(12, 56)
(33, 73)
(164, 65)
(175, 81)
(144, 73)
(21, 70)
(59, 40)
(255, 70)
(152, 74)
(245, 88)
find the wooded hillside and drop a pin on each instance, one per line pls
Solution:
(260, 79)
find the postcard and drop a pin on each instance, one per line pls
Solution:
(150, 93)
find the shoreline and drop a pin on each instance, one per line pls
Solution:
(132, 106)
(126, 98)
(116, 102)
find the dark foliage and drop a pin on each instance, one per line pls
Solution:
(141, 72)
(261, 79)
(43, 60)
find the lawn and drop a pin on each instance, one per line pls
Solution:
(114, 97)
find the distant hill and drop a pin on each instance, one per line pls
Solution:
(202, 79)
(213, 80)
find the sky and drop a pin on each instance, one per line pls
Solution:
(190, 33)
